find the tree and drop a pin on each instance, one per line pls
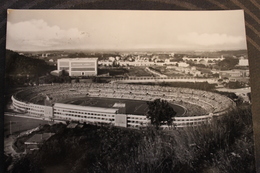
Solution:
(159, 111)
(235, 85)
(228, 64)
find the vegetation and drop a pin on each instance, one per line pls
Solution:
(21, 69)
(48, 79)
(20, 65)
(228, 63)
(159, 111)
(235, 85)
(224, 146)
(113, 71)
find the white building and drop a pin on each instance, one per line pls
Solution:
(136, 63)
(105, 63)
(78, 66)
(183, 64)
(243, 62)
(111, 58)
(205, 59)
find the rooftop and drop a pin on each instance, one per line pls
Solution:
(119, 105)
(85, 108)
(39, 138)
(77, 59)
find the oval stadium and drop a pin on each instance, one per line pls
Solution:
(118, 104)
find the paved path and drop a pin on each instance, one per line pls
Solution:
(239, 91)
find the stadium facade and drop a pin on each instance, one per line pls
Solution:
(215, 104)
(78, 66)
(87, 114)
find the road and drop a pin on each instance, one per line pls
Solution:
(155, 72)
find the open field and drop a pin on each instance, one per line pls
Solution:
(136, 107)
(138, 71)
(18, 124)
(169, 72)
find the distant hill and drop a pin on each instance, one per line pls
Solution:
(21, 65)
(225, 53)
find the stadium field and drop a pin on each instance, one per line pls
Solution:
(136, 107)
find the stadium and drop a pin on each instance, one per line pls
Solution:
(118, 104)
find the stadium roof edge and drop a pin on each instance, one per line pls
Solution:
(85, 108)
(77, 59)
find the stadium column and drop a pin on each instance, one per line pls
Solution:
(121, 120)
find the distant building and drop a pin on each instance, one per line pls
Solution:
(118, 58)
(136, 63)
(183, 64)
(78, 66)
(243, 62)
(167, 60)
(203, 59)
(105, 63)
(111, 58)
(234, 73)
(45, 54)
(170, 62)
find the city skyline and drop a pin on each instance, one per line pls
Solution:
(115, 30)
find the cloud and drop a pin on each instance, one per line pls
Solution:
(37, 33)
(206, 39)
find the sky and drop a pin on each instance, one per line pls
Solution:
(115, 30)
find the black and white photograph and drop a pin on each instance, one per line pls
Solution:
(127, 91)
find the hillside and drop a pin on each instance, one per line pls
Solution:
(19, 65)
(223, 146)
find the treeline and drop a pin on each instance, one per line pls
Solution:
(224, 146)
(228, 63)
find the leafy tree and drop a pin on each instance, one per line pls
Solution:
(159, 112)
(228, 64)
(235, 85)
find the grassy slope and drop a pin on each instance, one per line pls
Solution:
(224, 146)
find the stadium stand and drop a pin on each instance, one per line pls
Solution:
(203, 104)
